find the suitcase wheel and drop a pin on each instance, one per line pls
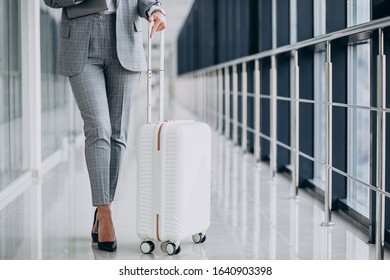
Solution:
(199, 238)
(163, 246)
(172, 249)
(147, 247)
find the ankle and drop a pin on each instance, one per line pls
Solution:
(104, 212)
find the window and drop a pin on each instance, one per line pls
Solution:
(56, 95)
(12, 158)
(359, 119)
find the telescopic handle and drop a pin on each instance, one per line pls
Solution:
(149, 74)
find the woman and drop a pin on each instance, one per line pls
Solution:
(103, 56)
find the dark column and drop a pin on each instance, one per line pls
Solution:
(306, 90)
(336, 19)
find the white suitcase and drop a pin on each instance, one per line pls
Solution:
(173, 179)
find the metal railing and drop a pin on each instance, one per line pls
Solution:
(211, 103)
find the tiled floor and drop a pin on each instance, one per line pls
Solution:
(251, 218)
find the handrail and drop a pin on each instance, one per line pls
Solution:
(224, 73)
(360, 28)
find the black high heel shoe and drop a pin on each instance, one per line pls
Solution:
(95, 236)
(108, 246)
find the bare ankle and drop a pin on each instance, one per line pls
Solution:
(103, 211)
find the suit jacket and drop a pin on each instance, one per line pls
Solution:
(75, 35)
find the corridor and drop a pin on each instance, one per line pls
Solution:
(252, 217)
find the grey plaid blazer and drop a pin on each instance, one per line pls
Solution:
(75, 34)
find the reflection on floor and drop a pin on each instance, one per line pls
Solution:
(252, 217)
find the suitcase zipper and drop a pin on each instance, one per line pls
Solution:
(157, 224)
(159, 137)
(159, 186)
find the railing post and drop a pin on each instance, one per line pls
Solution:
(199, 96)
(196, 95)
(227, 103)
(381, 149)
(273, 117)
(193, 92)
(295, 126)
(244, 89)
(199, 103)
(235, 105)
(329, 132)
(200, 86)
(206, 95)
(220, 101)
(208, 104)
(215, 99)
(257, 111)
(202, 96)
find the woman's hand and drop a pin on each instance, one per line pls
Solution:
(159, 22)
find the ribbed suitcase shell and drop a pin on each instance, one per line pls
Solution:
(173, 183)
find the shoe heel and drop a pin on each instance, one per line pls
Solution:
(95, 236)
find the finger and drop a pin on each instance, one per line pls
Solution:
(157, 26)
(151, 18)
(161, 26)
(154, 29)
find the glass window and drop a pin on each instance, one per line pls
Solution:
(11, 131)
(4, 95)
(55, 88)
(359, 133)
(319, 94)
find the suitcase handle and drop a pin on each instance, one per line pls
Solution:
(149, 74)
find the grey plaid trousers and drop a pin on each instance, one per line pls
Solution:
(104, 91)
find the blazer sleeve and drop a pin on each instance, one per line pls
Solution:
(62, 3)
(145, 5)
